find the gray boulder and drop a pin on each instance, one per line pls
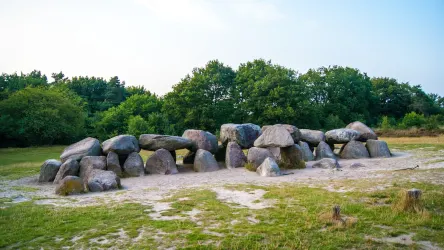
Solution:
(291, 157)
(354, 150)
(243, 134)
(86, 147)
(256, 156)
(133, 165)
(70, 185)
(69, 167)
(307, 153)
(234, 157)
(327, 163)
(161, 162)
(378, 149)
(171, 143)
(101, 180)
(274, 136)
(201, 140)
(113, 163)
(89, 163)
(48, 170)
(121, 144)
(312, 137)
(269, 168)
(204, 161)
(366, 132)
(293, 130)
(189, 157)
(341, 136)
(323, 150)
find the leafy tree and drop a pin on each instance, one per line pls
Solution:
(413, 119)
(202, 100)
(14, 82)
(35, 116)
(136, 90)
(394, 98)
(333, 122)
(137, 126)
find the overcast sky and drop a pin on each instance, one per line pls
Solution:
(155, 43)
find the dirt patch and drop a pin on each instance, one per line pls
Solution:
(251, 199)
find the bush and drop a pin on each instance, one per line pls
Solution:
(432, 122)
(137, 126)
(413, 119)
(333, 122)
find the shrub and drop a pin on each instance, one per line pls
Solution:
(333, 122)
(137, 126)
(413, 119)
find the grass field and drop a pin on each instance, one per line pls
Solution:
(295, 219)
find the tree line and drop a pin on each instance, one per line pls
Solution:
(36, 111)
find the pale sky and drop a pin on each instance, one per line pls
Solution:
(155, 43)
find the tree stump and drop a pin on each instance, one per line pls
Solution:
(410, 200)
(336, 213)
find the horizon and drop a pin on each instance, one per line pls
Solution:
(157, 43)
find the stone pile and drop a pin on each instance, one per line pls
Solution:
(90, 166)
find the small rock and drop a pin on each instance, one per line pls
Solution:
(133, 165)
(161, 162)
(48, 170)
(235, 157)
(357, 165)
(113, 164)
(69, 185)
(256, 156)
(121, 144)
(366, 132)
(274, 136)
(323, 150)
(269, 168)
(307, 153)
(378, 149)
(201, 140)
(154, 142)
(86, 147)
(204, 161)
(327, 163)
(354, 150)
(312, 137)
(69, 167)
(243, 134)
(341, 136)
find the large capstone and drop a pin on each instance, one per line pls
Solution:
(307, 153)
(354, 150)
(133, 165)
(312, 137)
(341, 136)
(48, 170)
(234, 157)
(274, 136)
(86, 147)
(378, 149)
(101, 180)
(269, 168)
(161, 162)
(69, 167)
(243, 134)
(256, 156)
(121, 145)
(113, 163)
(204, 161)
(293, 130)
(154, 142)
(70, 185)
(366, 132)
(323, 150)
(201, 140)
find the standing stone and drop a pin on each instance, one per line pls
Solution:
(292, 157)
(69, 167)
(89, 163)
(327, 163)
(189, 157)
(161, 162)
(307, 153)
(269, 168)
(235, 157)
(275, 136)
(366, 132)
(293, 130)
(48, 170)
(201, 140)
(323, 150)
(378, 148)
(243, 134)
(205, 162)
(113, 163)
(121, 144)
(221, 153)
(256, 156)
(86, 147)
(341, 136)
(101, 180)
(312, 137)
(354, 150)
(154, 142)
(133, 165)
(70, 185)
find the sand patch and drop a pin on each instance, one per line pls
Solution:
(251, 200)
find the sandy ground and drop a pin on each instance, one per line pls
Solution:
(151, 189)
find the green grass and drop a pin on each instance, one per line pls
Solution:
(293, 222)
(17, 163)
